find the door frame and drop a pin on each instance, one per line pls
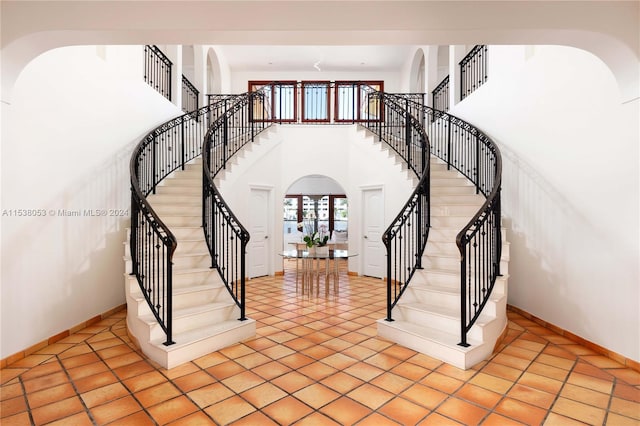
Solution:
(363, 191)
(269, 189)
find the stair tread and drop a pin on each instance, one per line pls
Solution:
(435, 335)
(191, 310)
(190, 336)
(444, 311)
(196, 288)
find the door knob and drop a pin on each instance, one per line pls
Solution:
(366, 236)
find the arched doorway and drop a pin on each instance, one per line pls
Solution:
(321, 201)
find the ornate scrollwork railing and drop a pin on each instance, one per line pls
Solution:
(165, 149)
(468, 150)
(405, 239)
(226, 238)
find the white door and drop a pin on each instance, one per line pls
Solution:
(258, 247)
(373, 226)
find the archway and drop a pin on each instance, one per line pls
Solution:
(212, 79)
(417, 82)
(322, 203)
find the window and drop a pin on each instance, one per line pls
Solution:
(330, 211)
(315, 101)
(278, 102)
(353, 103)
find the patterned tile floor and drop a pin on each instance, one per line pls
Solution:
(317, 361)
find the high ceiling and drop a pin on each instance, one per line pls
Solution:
(319, 58)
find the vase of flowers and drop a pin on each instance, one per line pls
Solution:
(314, 239)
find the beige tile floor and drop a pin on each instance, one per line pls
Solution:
(317, 361)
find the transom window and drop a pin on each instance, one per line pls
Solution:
(311, 101)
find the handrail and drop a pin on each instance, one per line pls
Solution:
(166, 148)
(467, 149)
(391, 118)
(226, 238)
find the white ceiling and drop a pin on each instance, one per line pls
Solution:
(307, 58)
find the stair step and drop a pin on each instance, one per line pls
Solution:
(434, 343)
(196, 343)
(187, 337)
(188, 232)
(193, 317)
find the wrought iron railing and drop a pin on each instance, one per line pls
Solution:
(226, 238)
(157, 70)
(473, 70)
(167, 148)
(189, 95)
(440, 95)
(406, 238)
(468, 150)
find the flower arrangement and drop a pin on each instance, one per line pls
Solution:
(313, 238)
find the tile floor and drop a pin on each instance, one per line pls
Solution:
(317, 361)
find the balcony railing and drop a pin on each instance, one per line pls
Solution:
(473, 70)
(440, 95)
(189, 95)
(157, 70)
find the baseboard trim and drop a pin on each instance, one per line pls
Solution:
(57, 337)
(627, 362)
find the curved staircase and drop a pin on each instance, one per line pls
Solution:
(427, 317)
(446, 252)
(205, 317)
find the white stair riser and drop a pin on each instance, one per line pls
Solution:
(194, 321)
(207, 295)
(190, 179)
(427, 282)
(458, 199)
(485, 331)
(193, 199)
(188, 232)
(433, 297)
(452, 190)
(453, 264)
(190, 246)
(457, 222)
(447, 235)
(197, 349)
(191, 262)
(164, 210)
(174, 189)
(181, 221)
(430, 319)
(195, 278)
(463, 360)
(442, 248)
(453, 181)
(454, 209)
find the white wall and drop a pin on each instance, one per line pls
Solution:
(75, 116)
(329, 150)
(570, 189)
